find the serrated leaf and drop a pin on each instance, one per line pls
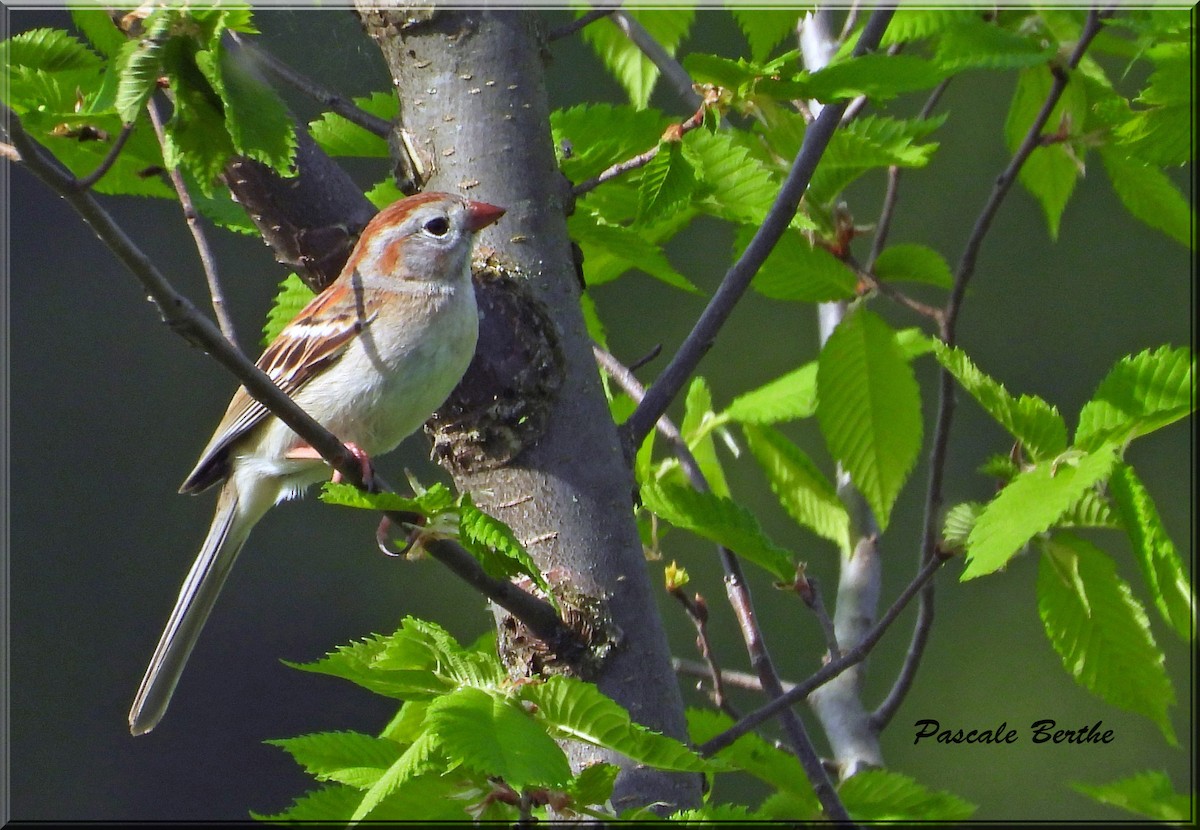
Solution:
(347, 495)
(734, 185)
(338, 136)
(719, 520)
(1029, 419)
(878, 76)
(98, 27)
(1160, 563)
(423, 645)
(869, 408)
(197, 140)
(1030, 504)
(256, 119)
(328, 804)
(578, 711)
(868, 143)
(627, 247)
(292, 296)
(716, 813)
(350, 758)
(735, 76)
(589, 138)
(384, 193)
(1150, 794)
(359, 662)
(593, 785)
(913, 263)
(883, 795)
(632, 69)
(960, 520)
(666, 185)
(913, 24)
(223, 211)
(1142, 393)
(1050, 171)
(491, 734)
(796, 271)
(50, 50)
(496, 547)
(1149, 195)
(764, 28)
(1160, 136)
(974, 43)
(788, 398)
(804, 491)
(752, 754)
(141, 64)
(419, 757)
(1101, 631)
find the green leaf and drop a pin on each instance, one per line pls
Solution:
(576, 710)
(590, 138)
(338, 136)
(752, 754)
(1160, 135)
(350, 758)
(1101, 631)
(1142, 393)
(869, 408)
(796, 271)
(667, 183)
(329, 804)
(292, 296)
(883, 795)
(960, 521)
(356, 662)
(50, 50)
(877, 76)
(720, 520)
(913, 263)
(1160, 563)
(223, 211)
(1029, 419)
(913, 24)
(734, 185)
(384, 193)
(788, 398)
(632, 69)
(1030, 504)
(257, 120)
(697, 432)
(347, 495)
(764, 28)
(141, 65)
(626, 247)
(868, 143)
(593, 785)
(803, 490)
(491, 734)
(496, 547)
(197, 140)
(422, 756)
(98, 27)
(1150, 196)
(714, 813)
(1150, 794)
(1050, 171)
(975, 43)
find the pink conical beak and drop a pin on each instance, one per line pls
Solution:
(481, 214)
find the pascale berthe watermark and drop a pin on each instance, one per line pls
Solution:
(1040, 732)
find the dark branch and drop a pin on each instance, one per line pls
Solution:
(107, 162)
(568, 29)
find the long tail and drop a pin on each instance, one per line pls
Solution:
(226, 535)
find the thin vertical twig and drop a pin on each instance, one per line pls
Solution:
(207, 260)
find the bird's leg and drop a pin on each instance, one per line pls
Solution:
(304, 451)
(414, 521)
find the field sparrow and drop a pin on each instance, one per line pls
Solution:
(370, 358)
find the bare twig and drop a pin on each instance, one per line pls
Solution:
(207, 260)
(738, 593)
(108, 161)
(568, 29)
(810, 591)
(946, 399)
(182, 316)
(830, 670)
(897, 296)
(672, 133)
(697, 611)
(328, 99)
(738, 278)
(737, 679)
(670, 68)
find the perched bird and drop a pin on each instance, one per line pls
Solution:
(370, 358)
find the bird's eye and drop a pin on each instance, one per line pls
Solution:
(438, 226)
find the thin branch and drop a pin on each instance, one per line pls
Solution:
(738, 593)
(182, 316)
(738, 278)
(830, 670)
(946, 399)
(328, 99)
(568, 29)
(108, 161)
(810, 591)
(670, 68)
(697, 611)
(207, 260)
(737, 679)
(672, 133)
(883, 225)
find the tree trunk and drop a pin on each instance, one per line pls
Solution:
(549, 463)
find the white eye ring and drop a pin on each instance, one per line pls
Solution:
(437, 226)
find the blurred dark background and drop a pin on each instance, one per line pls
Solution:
(109, 409)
